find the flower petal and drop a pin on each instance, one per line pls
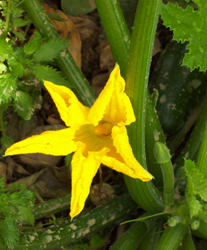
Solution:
(58, 142)
(122, 159)
(92, 142)
(83, 171)
(72, 112)
(113, 105)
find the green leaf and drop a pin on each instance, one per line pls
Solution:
(9, 232)
(50, 74)
(50, 50)
(20, 22)
(17, 68)
(189, 25)
(203, 216)
(7, 88)
(196, 180)
(25, 215)
(19, 35)
(197, 186)
(194, 205)
(76, 7)
(23, 105)
(32, 45)
(6, 49)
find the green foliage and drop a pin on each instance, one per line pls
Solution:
(15, 208)
(50, 74)
(189, 25)
(22, 98)
(26, 63)
(196, 192)
(50, 50)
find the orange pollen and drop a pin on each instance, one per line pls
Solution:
(103, 130)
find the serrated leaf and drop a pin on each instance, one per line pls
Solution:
(196, 181)
(9, 231)
(50, 74)
(6, 49)
(8, 87)
(19, 35)
(203, 216)
(194, 205)
(25, 215)
(32, 45)
(17, 69)
(189, 25)
(50, 50)
(23, 105)
(20, 22)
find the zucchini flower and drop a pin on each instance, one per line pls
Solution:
(96, 135)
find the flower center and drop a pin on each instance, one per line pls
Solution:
(103, 130)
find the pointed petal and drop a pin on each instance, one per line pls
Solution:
(72, 112)
(58, 142)
(83, 171)
(113, 105)
(122, 159)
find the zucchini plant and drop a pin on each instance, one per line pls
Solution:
(172, 208)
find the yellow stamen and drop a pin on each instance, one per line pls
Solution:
(103, 130)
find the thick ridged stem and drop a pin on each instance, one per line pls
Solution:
(141, 45)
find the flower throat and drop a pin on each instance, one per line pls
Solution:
(103, 130)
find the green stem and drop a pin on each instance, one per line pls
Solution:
(153, 134)
(118, 36)
(201, 232)
(67, 232)
(172, 237)
(65, 61)
(152, 236)
(139, 61)
(201, 162)
(116, 31)
(7, 19)
(187, 243)
(52, 206)
(163, 157)
(131, 238)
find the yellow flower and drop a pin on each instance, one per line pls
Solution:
(97, 135)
